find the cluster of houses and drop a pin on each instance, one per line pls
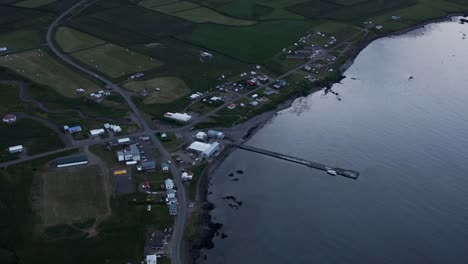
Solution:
(171, 198)
(93, 132)
(97, 95)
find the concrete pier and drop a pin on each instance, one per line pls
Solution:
(342, 172)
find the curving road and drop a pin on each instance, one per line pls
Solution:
(182, 199)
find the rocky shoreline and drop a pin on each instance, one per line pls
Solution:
(209, 229)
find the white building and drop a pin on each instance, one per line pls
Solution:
(195, 96)
(96, 132)
(170, 193)
(123, 141)
(10, 118)
(113, 128)
(178, 116)
(132, 154)
(169, 184)
(186, 176)
(215, 134)
(151, 259)
(201, 136)
(211, 150)
(15, 149)
(199, 147)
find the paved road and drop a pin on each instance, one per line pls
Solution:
(182, 200)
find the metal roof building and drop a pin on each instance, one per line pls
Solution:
(211, 150)
(199, 146)
(70, 161)
(15, 149)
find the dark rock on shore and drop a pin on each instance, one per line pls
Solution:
(235, 179)
(240, 172)
(223, 235)
(231, 174)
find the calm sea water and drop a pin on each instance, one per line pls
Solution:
(407, 137)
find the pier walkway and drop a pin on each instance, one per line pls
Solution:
(342, 172)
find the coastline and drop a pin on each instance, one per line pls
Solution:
(253, 125)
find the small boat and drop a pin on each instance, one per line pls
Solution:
(331, 172)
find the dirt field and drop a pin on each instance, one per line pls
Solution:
(171, 89)
(73, 194)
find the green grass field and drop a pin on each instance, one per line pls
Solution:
(9, 99)
(71, 40)
(206, 15)
(176, 7)
(115, 61)
(40, 67)
(253, 44)
(21, 39)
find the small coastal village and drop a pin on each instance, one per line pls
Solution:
(131, 146)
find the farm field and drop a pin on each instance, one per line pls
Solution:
(171, 89)
(21, 39)
(72, 195)
(71, 40)
(264, 39)
(115, 61)
(40, 67)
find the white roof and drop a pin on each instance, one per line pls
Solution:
(199, 146)
(178, 116)
(13, 148)
(97, 131)
(201, 135)
(151, 259)
(123, 140)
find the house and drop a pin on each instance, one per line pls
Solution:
(15, 149)
(172, 209)
(9, 119)
(169, 184)
(187, 176)
(145, 185)
(165, 167)
(155, 239)
(171, 193)
(251, 82)
(195, 96)
(171, 200)
(201, 136)
(163, 136)
(231, 106)
(72, 130)
(282, 83)
(96, 132)
(307, 68)
(216, 99)
(178, 117)
(263, 78)
(215, 134)
(151, 259)
(207, 154)
(276, 86)
(70, 161)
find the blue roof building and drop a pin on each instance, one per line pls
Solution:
(74, 129)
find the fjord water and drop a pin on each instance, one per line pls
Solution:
(408, 137)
